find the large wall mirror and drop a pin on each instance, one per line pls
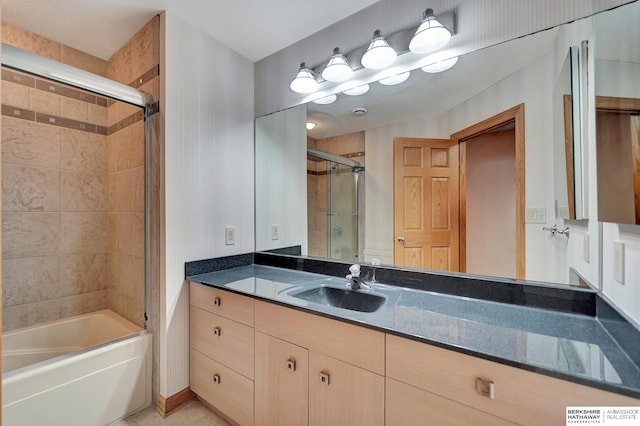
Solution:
(617, 90)
(496, 104)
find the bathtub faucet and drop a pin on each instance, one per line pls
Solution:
(355, 282)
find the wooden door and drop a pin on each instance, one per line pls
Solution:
(281, 382)
(343, 394)
(425, 203)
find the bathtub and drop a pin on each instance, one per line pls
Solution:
(90, 369)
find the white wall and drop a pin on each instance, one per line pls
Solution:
(208, 173)
(280, 200)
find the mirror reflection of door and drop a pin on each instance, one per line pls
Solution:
(459, 204)
(426, 203)
(618, 153)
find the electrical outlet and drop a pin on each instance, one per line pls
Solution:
(618, 261)
(230, 235)
(275, 231)
(585, 248)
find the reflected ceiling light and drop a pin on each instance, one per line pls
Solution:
(338, 69)
(395, 79)
(431, 35)
(440, 66)
(379, 54)
(305, 81)
(326, 100)
(358, 90)
(311, 125)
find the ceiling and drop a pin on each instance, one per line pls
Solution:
(253, 28)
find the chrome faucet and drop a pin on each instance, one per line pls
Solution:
(355, 282)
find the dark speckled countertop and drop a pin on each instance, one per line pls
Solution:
(565, 345)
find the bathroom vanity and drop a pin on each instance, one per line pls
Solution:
(272, 345)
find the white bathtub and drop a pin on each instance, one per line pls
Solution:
(91, 369)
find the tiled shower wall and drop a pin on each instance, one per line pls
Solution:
(73, 200)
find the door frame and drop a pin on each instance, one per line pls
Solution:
(516, 115)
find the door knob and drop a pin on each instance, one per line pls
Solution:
(401, 239)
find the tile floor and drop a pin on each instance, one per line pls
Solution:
(191, 414)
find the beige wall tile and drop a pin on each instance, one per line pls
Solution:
(83, 303)
(19, 316)
(130, 234)
(138, 190)
(130, 277)
(30, 279)
(98, 115)
(123, 191)
(83, 273)
(84, 233)
(119, 111)
(130, 147)
(30, 189)
(119, 68)
(30, 234)
(31, 42)
(152, 87)
(112, 221)
(83, 192)
(45, 102)
(75, 109)
(112, 162)
(84, 61)
(83, 151)
(112, 201)
(15, 94)
(30, 144)
(144, 48)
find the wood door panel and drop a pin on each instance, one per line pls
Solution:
(426, 209)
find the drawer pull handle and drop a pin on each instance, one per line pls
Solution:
(486, 388)
(324, 378)
(216, 379)
(217, 331)
(291, 365)
(216, 301)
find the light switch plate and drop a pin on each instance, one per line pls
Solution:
(275, 231)
(585, 248)
(618, 261)
(536, 215)
(230, 235)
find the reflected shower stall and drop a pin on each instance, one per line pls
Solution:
(335, 206)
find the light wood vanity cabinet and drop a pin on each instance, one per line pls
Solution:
(513, 394)
(345, 382)
(221, 356)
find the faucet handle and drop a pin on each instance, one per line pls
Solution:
(355, 270)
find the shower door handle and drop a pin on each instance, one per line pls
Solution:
(401, 239)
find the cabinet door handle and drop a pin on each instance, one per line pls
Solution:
(324, 378)
(486, 388)
(216, 301)
(216, 379)
(216, 331)
(291, 365)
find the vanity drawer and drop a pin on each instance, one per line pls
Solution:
(222, 339)
(518, 395)
(407, 405)
(229, 305)
(226, 390)
(352, 344)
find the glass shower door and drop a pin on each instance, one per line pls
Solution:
(342, 211)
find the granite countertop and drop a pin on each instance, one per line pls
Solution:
(568, 346)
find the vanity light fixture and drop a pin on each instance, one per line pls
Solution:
(357, 91)
(326, 100)
(305, 81)
(440, 65)
(379, 54)
(338, 69)
(395, 79)
(431, 35)
(311, 125)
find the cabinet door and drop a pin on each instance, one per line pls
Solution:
(342, 394)
(281, 382)
(410, 406)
